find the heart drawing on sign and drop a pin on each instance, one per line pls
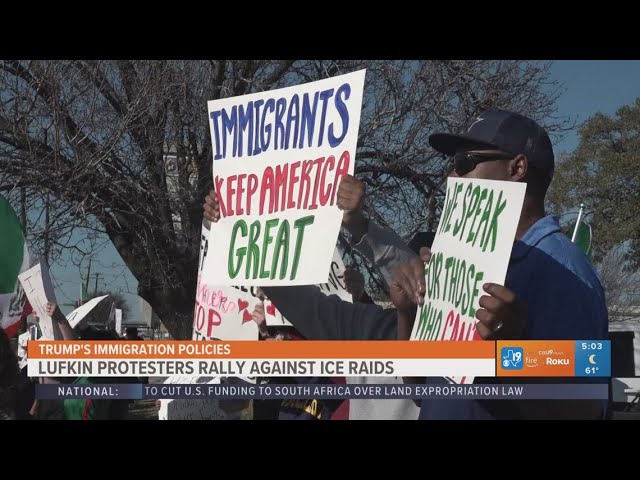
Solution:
(246, 317)
(271, 309)
(242, 304)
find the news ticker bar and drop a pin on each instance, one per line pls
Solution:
(591, 391)
(565, 358)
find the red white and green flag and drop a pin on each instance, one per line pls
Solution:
(14, 259)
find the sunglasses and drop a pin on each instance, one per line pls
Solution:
(465, 162)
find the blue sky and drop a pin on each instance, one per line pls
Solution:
(593, 86)
(590, 86)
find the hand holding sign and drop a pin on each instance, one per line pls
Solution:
(211, 207)
(407, 287)
(351, 200)
(408, 290)
(502, 314)
(258, 316)
(54, 312)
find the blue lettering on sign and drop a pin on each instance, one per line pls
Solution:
(302, 121)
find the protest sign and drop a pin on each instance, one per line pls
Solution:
(335, 284)
(472, 247)
(273, 317)
(279, 157)
(118, 320)
(221, 312)
(37, 285)
(146, 311)
(191, 409)
(22, 348)
(111, 320)
(30, 334)
(80, 313)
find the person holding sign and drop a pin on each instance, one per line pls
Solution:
(382, 247)
(551, 291)
(385, 249)
(82, 409)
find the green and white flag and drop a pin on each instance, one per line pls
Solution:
(14, 259)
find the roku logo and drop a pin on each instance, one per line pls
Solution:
(557, 361)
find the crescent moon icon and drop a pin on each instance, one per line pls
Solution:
(591, 359)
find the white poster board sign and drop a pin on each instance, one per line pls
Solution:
(22, 348)
(111, 320)
(335, 284)
(279, 157)
(472, 247)
(146, 311)
(23, 339)
(273, 317)
(118, 320)
(37, 285)
(221, 312)
(193, 409)
(75, 317)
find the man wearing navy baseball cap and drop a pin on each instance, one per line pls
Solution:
(551, 292)
(500, 135)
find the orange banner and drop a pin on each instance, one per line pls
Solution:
(252, 349)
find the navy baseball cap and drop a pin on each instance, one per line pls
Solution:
(502, 130)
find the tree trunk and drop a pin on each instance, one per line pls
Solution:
(174, 308)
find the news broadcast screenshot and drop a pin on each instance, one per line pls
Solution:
(319, 240)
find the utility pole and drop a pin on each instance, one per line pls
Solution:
(86, 283)
(97, 275)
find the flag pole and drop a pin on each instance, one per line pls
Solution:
(575, 230)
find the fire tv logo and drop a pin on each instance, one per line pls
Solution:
(531, 362)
